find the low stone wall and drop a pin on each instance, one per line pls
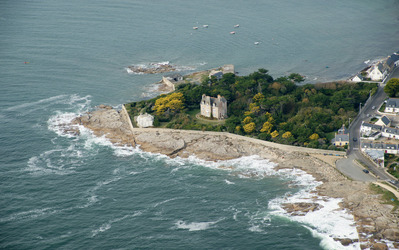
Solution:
(125, 114)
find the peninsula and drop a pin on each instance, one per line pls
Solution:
(180, 130)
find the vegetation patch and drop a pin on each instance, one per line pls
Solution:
(261, 106)
(387, 196)
(391, 163)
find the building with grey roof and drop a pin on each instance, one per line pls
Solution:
(377, 72)
(214, 107)
(384, 121)
(390, 132)
(341, 138)
(368, 128)
(392, 105)
(393, 61)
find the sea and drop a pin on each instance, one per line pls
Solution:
(60, 59)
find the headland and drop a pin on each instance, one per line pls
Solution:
(376, 220)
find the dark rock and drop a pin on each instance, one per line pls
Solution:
(379, 246)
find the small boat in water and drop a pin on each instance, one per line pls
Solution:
(205, 25)
(195, 28)
(256, 43)
(233, 32)
(236, 26)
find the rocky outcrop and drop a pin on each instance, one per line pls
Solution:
(108, 122)
(153, 69)
(301, 208)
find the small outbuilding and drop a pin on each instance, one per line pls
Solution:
(145, 120)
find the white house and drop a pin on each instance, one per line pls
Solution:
(386, 148)
(377, 72)
(369, 128)
(145, 120)
(392, 105)
(390, 133)
(357, 78)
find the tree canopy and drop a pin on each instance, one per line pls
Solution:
(275, 109)
(392, 87)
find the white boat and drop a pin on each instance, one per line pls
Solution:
(256, 43)
(233, 32)
(236, 26)
(205, 25)
(195, 28)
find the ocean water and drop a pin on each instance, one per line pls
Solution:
(59, 59)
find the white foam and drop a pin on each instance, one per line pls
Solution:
(34, 213)
(229, 182)
(106, 226)
(166, 201)
(329, 222)
(195, 226)
(40, 102)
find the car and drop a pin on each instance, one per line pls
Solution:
(368, 115)
(366, 171)
(393, 182)
(354, 139)
(373, 107)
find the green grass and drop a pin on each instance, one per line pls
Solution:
(387, 196)
(382, 108)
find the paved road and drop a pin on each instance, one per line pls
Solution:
(348, 166)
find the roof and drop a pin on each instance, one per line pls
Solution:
(379, 146)
(393, 102)
(372, 126)
(385, 120)
(391, 131)
(392, 59)
(212, 100)
(381, 67)
(341, 137)
(343, 130)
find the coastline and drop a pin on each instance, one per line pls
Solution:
(374, 220)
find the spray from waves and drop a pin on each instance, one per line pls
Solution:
(64, 158)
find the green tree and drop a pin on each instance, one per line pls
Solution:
(392, 87)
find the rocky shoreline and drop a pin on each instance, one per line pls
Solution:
(152, 69)
(375, 221)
